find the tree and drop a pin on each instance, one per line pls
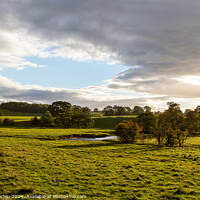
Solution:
(192, 122)
(147, 109)
(81, 120)
(47, 120)
(108, 111)
(76, 108)
(96, 110)
(137, 110)
(170, 126)
(60, 107)
(85, 110)
(119, 110)
(174, 116)
(127, 131)
(148, 122)
(63, 120)
(197, 109)
(128, 110)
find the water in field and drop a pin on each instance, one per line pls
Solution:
(95, 139)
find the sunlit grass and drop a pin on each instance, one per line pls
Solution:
(99, 170)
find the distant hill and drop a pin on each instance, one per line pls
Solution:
(24, 107)
(13, 113)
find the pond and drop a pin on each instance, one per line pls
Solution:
(94, 139)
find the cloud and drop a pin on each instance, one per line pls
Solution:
(92, 97)
(160, 36)
(158, 40)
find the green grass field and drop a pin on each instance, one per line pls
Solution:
(103, 122)
(110, 122)
(34, 161)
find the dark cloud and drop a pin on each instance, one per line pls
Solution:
(161, 36)
(158, 39)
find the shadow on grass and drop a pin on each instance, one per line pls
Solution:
(91, 145)
(138, 148)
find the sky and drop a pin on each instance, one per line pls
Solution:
(96, 52)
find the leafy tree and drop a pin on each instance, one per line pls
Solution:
(192, 122)
(147, 109)
(187, 111)
(60, 107)
(127, 131)
(157, 113)
(85, 110)
(174, 116)
(137, 110)
(108, 111)
(76, 108)
(148, 122)
(197, 109)
(161, 129)
(47, 120)
(170, 126)
(116, 111)
(181, 136)
(128, 110)
(63, 120)
(119, 110)
(96, 110)
(81, 120)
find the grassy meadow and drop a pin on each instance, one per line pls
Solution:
(35, 161)
(101, 122)
(106, 122)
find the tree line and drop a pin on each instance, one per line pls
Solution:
(172, 127)
(25, 107)
(121, 110)
(63, 114)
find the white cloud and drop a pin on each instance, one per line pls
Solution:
(159, 40)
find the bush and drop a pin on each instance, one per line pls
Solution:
(7, 121)
(127, 130)
(35, 121)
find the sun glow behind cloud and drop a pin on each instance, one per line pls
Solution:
(193, 80)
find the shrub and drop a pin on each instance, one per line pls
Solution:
(35, 121)
(127, 130)
(7, 121)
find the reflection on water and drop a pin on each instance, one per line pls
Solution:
(95, 139)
